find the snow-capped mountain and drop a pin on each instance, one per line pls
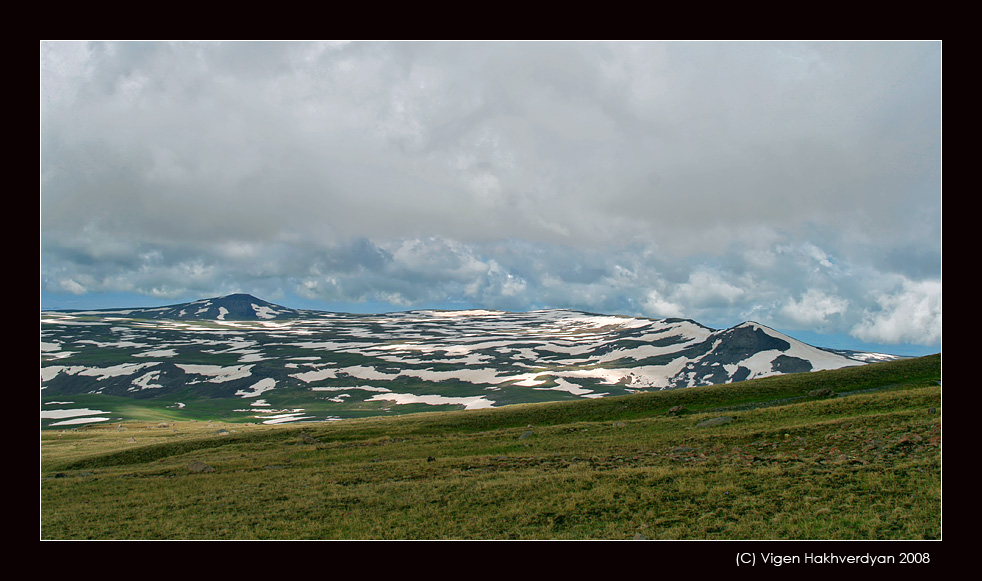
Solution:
(320, 364)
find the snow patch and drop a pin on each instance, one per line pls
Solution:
(315, 375)
(470, 403)
(146, 380)
(157, 353)
(218, 373)
(257, 389)
(264, 312)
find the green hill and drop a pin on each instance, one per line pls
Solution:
(852, 453)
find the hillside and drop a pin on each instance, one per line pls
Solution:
(238, 358)
(852, 453)
(234, 307)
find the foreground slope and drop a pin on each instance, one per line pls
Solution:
(843, 454)
(243, 359)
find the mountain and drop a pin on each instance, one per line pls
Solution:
(241, 357)
(234, 307)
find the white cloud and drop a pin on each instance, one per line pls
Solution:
(72, 286)
(814, 309)
(707, 287)
(656, 305)
(910, 314)
(817, 254)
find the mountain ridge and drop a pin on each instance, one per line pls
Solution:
(206, 309)
(247, 357)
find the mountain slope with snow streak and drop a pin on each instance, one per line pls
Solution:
(273, 360)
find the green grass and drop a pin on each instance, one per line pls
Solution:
(864, 464)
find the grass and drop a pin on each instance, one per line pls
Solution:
(864, 464)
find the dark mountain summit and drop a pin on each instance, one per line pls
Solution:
(234, 307)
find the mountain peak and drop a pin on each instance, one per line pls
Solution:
(238, 296)
(233, 307)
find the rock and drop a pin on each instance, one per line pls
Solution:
(910, 439)
(714, 422)
(525, 435)
(198, 467)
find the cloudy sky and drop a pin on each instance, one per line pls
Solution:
(790, 183)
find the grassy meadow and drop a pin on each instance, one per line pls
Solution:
(780, 458)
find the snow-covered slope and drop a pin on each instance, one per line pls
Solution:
(245, 348)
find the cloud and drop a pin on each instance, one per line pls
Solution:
(783, 181)
(706, 287)
(476, 140)
(658, 306)
(814, 309)
(909, 314)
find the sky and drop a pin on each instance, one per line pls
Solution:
(796, 184)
